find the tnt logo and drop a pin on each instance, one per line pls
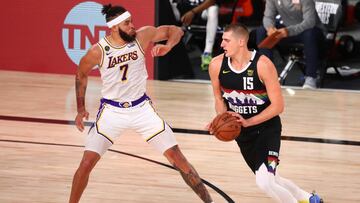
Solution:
(83, 26)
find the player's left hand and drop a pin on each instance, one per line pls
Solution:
(209, 127)
(160, 50)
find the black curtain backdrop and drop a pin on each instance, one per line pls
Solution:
(176, 64)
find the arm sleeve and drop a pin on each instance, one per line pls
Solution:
(269, 14)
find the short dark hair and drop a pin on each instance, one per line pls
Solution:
(111, 12)
(238, 28)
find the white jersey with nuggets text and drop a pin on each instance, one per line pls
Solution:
(123, 71)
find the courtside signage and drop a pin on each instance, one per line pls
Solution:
(84, 25)
(56, 34)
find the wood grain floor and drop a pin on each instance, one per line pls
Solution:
(38, 159)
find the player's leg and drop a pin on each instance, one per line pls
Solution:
(81, 175)
(158, 134)
(267, 177)
(267, 159)
(265, 180)
(301, 195)
(260, 148)
(95, 146)
(187, 171)
(297, 192)
(97, 143)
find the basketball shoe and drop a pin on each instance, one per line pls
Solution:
(205, 61)
(310, 83)
(313, 199)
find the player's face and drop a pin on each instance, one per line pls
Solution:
(229, 44)
(127, 30)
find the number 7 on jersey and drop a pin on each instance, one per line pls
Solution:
(124, 69)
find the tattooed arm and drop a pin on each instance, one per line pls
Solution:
(87, 62)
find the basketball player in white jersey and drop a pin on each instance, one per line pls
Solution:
(121, 61)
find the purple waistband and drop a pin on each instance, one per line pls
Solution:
(125, 104)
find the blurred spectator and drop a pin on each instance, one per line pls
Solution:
(299, 24)
(186, 10)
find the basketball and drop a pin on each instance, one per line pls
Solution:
(225, 127)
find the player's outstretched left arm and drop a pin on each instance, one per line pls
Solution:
(149, 34)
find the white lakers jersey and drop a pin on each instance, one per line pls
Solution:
(123, 71)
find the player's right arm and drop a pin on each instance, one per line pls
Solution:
(214, 69)
(87, 62)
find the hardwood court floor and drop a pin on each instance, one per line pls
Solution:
(40, 149)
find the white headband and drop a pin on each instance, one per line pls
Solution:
(118, 19)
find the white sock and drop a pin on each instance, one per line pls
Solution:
(211, 14)
(266, 182)
(175, 10)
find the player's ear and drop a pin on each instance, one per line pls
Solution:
(241, 41)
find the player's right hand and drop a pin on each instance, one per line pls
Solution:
(209, 127)
(79, 120)
(160, 50)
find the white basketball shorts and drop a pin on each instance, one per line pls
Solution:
(111, 121)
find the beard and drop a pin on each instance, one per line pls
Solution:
(126, 37)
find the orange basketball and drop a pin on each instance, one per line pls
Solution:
(225, 127)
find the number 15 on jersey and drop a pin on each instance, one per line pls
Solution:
(248, 83)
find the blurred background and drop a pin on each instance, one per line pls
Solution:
(346, 51)
(51, 36)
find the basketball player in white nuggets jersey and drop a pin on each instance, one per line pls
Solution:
(121, 61)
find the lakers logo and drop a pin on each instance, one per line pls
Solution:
(122, 58)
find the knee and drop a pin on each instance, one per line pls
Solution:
(261, 31)
(85, 167)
